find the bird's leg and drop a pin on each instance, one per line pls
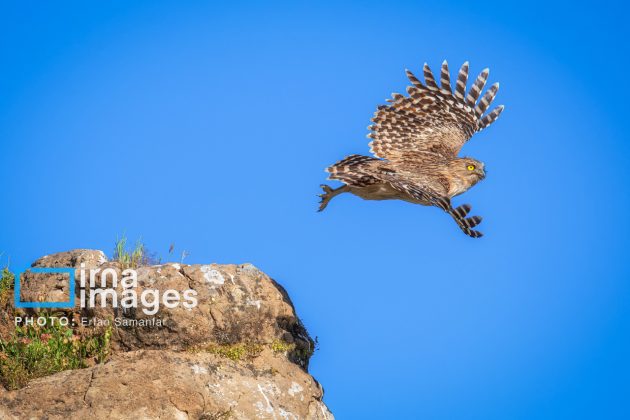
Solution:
(329, 194)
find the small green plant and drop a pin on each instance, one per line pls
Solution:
(247, 350)
(6, 286)
(129, 259)
(281, 346)
(139, 256)
(38, 350)
(234, 352)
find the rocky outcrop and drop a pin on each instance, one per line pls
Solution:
(157, 384)
(241, 352)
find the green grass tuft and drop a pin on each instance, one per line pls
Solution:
(235, 352)
(281, 346)
(6, 287)
(129, 259)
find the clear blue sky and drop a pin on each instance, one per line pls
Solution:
(209, 127)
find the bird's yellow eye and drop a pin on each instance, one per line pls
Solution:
(471, 167)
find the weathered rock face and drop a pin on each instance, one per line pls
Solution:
(172, 369)
(155, 384)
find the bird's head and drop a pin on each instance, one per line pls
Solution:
(468, 169)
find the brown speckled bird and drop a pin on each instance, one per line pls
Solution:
(416, 140)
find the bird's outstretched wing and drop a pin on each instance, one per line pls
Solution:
(432, 120)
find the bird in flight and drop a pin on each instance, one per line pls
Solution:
(415, 143)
